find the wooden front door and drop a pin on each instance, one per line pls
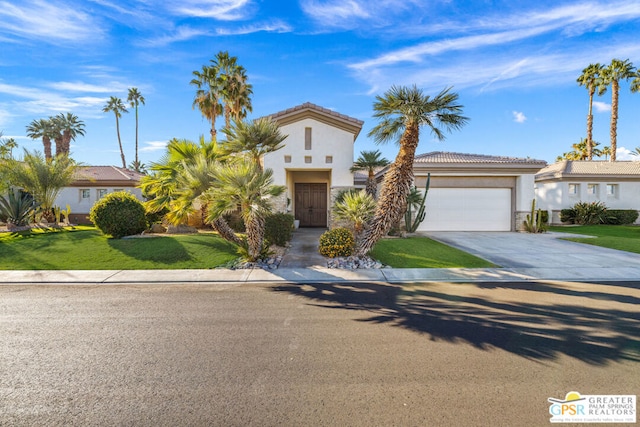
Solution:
(311, 205)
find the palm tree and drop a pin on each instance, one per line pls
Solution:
(369, 161)
(357, 207)
(246, 187)
(135, 98)
(71, 127)
(6, 147)
(606, 152)
(234, 90)
(115, 104)
(256, 138)
(44, 129)
(402, 112)
(581, 151)
(636, 152)
(42, 178)
(591, 78)
(207, 97)
(611, 75)
(178, 181)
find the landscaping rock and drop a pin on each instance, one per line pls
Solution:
(158, 228)
(353, 263)
(181, 229)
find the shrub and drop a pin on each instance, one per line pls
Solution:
(621, 216)
(18, 208)
(356, 207)
(589, 213)
(119, 214)
(278, 228)
(568, 215)
(336, 242)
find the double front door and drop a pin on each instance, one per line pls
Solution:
(311, 204)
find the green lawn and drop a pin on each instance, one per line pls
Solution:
(422, 252)
(85, 248)
(621, 237)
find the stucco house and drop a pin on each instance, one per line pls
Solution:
(563, 184)
(93, 182)
(315, 161)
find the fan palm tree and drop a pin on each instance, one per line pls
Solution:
(42, 178)
(611, 75)
(636, 152)
(606, 152)
(178, 181)
(591, 78)
(6, 147)
(357, 207)
(116, 106)
(244, 186)
(256, 138)
(581, 151)
(207, 99)
(135, 98)
(369, 161)
(70, 127)
(42, 128)
(402, 112)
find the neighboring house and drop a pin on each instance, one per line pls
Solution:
(315, 161)
(473, 192)
(563, 184)
(90, 184)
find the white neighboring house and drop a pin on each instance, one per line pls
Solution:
(91, 183)
(563, 184)
(315, 161)
(475, 192)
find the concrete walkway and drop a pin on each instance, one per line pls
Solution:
(523, 257)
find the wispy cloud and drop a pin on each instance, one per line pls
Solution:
(48, 22)
(223, 10)
(601, 107)
(519, 117)
(87, 87)
(179, 35)
(335, 13)
(154, 146)
(272, 27)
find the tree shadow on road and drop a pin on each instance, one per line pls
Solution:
(535, 330)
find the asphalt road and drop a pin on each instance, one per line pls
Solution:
(325, 354)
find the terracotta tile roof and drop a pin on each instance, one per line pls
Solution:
(107, 173)
(314, 107)
(446, 157)
(583, 168)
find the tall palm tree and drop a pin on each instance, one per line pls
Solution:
(606, 152)
(135, 98)
(42, 128)
(256, 138)
(207, 99)
(42, 178)
(179, 179)
(616, 71)
(7, 146)
(71, 127)
(591, 78)
(246, 187)
(116, 106)
(581, 151)
(369, 161)
(402, 112)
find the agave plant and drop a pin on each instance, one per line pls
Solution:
(18, 208)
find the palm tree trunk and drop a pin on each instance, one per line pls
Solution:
(371, 185)
(223, 229)
(46, 142)
(393, 198)
(124, 163)
(255, 236)
(136, 163)
(59, 145)
(66, 142)
(590, 126)
(614, 118)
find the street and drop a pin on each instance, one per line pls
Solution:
(344, 354)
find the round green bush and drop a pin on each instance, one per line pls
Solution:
(119, 214)
(336, 242)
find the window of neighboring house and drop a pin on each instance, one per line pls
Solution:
(85, 194)
(574, 189)
(307, 159)
(328, 159)
(287, 159)
(118, 189)
(307, 138)
(101, 192)
(592, 189)
(612, 190)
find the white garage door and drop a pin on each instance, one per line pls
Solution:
(467, 209)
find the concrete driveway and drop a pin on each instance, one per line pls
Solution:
(524, 250)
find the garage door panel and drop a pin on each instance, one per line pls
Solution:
(467, 209)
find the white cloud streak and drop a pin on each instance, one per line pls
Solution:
(601, 107)
(151, 146)
(519, 117)
(223, 10)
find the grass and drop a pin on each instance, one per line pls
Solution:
(621, 237)
(422, 252)
(85, 248)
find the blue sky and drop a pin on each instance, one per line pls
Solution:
(513, 63)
